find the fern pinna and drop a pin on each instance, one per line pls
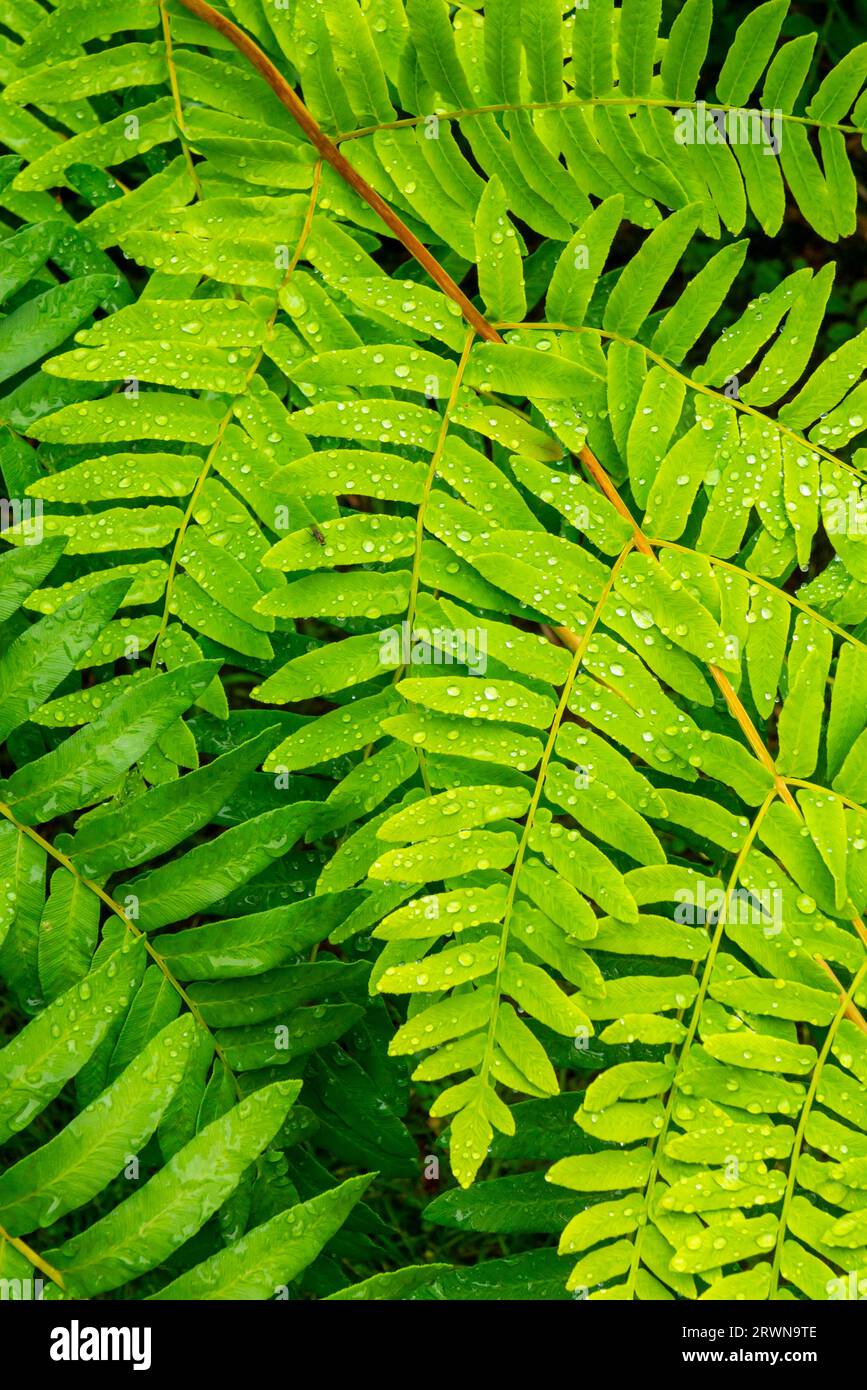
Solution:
(433, 600)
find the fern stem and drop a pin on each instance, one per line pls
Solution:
(791, 600)
(35, 1259)
(176, 97)
(579, 650)
(415, 576)
(227, 418)
(60, 858)
(430, 478)
(591, 103)
(751, 734)
(802, 1123)
(696, 386)
(815, 787)
(849, 1008)
(692, 1028)
(724, 685)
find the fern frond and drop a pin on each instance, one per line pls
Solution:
(400, 552)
